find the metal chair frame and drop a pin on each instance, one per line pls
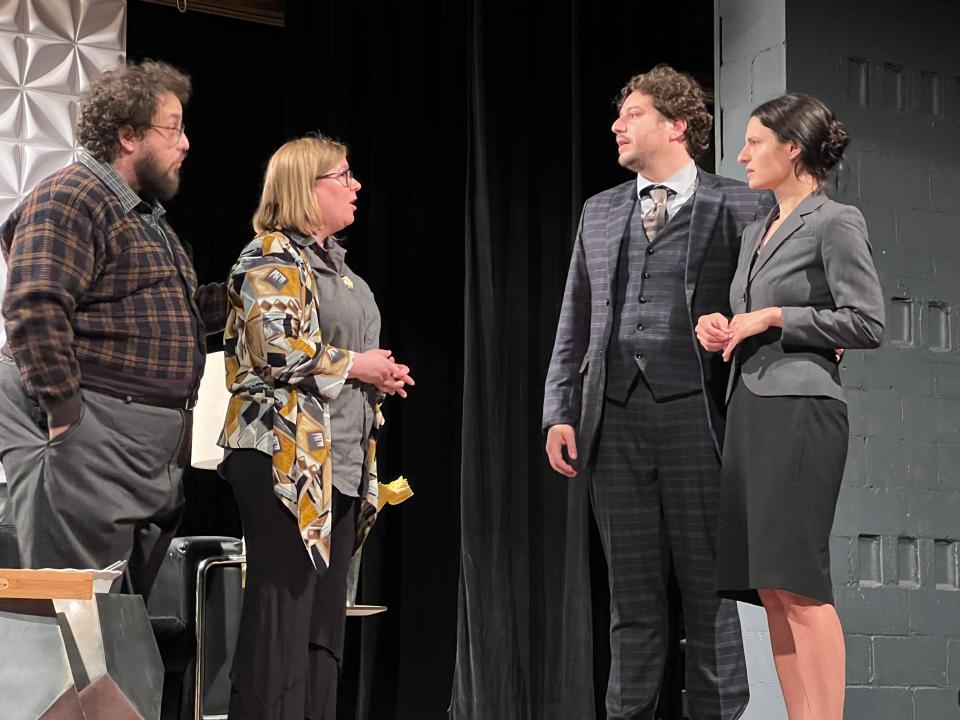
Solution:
(202, 569)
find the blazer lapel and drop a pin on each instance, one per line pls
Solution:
(792, 223)
(707, 202)
(618, 215)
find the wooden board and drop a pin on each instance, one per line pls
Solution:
(269, 12)
(46, 584)
(365, 610)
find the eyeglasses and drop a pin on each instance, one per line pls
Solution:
(180, 130)
(344, 177)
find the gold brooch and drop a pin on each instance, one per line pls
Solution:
(347, 281)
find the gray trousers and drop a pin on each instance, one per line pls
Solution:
(109, 488)
(654, 489)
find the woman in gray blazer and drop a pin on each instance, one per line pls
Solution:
(805, 285)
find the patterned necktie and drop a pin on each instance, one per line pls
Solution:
(656, 217)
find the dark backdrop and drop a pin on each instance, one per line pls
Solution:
(477, 132)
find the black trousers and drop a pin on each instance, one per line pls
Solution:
(290, 644)
(654, 487)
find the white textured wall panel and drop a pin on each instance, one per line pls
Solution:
(50, 50)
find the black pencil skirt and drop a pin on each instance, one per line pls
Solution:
(783, 460)
(290, 645)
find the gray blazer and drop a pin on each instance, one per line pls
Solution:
(819, 268)
(574, 388)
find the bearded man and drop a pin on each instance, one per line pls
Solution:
(105, 337)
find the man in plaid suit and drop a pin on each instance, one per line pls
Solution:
(632, 401)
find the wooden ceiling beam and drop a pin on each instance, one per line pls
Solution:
(269, 12)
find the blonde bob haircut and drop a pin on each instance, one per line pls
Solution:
(287, 200)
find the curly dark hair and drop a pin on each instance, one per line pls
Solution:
(127, 96)
(676, 96)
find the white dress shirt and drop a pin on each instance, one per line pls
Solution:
(683, 183)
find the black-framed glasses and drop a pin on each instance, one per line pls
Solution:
(344, 177)
(179, 130)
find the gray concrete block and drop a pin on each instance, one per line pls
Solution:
(876, 703)
(902, 181)
(876, 511)
(923, 136)
(841, 561)
(944, 187)
(910, 661)
(888, 559)
(934, 612)
(760, 665)
(881, 220)
(852, 369)
(873, 611)
(769, 74)
(874, 133)
(928, 231)
(874, 412)
(937, 513)
(928, 578)
(948, 467)
(766, 703)
(859, 659)
(886, 462)
(912, 261)
(735, 83)
(922, 460)
(946, 376)
(953, 662)
(855, 472)
(758, 28)
(931, 419)
(733, 125)
(935, 703)
(900, 370)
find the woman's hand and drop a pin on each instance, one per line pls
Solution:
(713, 332)
(378, 368)
(748, 324)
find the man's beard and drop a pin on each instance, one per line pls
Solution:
(155, 184)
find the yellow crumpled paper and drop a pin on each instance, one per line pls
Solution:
(394, 493)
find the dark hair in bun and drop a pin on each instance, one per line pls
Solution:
(809, 124)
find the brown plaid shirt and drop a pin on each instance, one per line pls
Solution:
(102, 294)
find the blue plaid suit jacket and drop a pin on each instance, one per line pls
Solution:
(574, 387)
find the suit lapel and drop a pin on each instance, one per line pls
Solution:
(707, 202)
(792, 223)
(618, 215)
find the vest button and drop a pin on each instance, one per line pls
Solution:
(649, 251)
(607, 302)
(640, 326)
(646, 275)
(642, 299)
(639, 356)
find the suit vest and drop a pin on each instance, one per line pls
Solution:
(651, 334)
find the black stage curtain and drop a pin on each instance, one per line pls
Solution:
(477, 130)
(523, 631)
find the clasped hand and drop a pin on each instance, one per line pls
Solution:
(717, 334)
(378, 367)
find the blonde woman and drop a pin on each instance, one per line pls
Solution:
(306, 376)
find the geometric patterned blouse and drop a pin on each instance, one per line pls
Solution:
(281, 378)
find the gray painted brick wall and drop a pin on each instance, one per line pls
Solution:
(891, 71)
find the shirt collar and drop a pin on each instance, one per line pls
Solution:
(111, 178)
(680, 182)
(331, 247)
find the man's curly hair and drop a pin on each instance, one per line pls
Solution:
(127, 96)
(676, 96)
